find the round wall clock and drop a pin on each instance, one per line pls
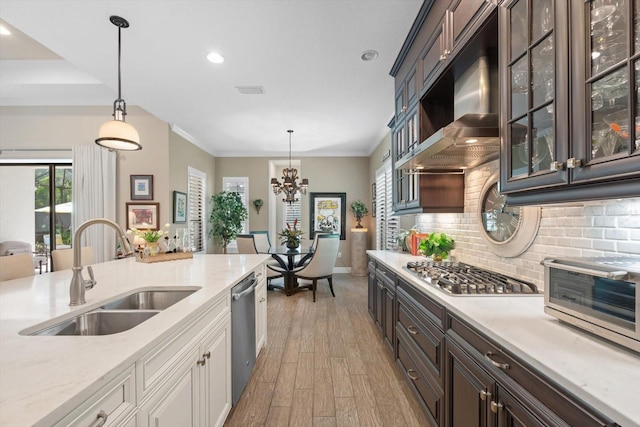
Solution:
(508, 230)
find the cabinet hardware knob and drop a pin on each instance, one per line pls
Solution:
(404, 108)
(556, 166)
(496, 407)
(100, 420)
(207, 355)
(201, 362)
(412, 330)
(412, 374)
(484, 395)
(488, 355)
(262, 299)
(442, 57)
(259, 274)
(573, 163)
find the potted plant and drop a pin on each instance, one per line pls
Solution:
(226, 217)
(290, 236)
(151, 237)
(437, 245)
(359, 210)
(257, 203)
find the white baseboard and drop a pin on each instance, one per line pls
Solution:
(337, 270)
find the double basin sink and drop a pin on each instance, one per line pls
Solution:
(118, 315)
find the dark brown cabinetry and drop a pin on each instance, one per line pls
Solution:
(566, 102)
(381, 300)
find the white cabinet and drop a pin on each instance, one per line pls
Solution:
(187, 380)
(261, 308)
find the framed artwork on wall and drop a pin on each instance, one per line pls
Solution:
(143, 216)
(179, 207)
(373, 191)
(141, 187)
(328, 214)
(373, 209)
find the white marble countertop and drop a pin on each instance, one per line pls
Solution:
(42, 378)
(603, 375)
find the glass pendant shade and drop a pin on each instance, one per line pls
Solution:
(118, 135)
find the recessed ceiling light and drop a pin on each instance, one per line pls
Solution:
(4, 31)
(215, 57)
(369, 55)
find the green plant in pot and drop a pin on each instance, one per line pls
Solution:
(359, 210)
(437, 245)
(226, 217)
(291, 236)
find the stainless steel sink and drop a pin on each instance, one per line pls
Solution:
(149, 300)
(99, 322)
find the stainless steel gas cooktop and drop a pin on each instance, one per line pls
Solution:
(458, 278)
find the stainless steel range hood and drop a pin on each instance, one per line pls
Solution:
(473, 137)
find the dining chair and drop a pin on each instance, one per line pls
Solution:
(16, 266)
(62, 259)
(314, 245)
(247, 245)
(322, 262)
(261, 239)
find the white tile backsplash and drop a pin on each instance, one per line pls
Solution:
(595, 228)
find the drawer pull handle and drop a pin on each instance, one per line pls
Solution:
(412, 330)
(488, 355)
(100, 420)
(496, 407)
(411, 374)
(484, 395)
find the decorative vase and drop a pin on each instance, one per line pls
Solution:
(359, 218)
(436, 257)
(293, 244)
(154, 248)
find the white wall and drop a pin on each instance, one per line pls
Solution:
(572, 229)
(17, 189)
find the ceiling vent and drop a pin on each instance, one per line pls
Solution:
(250, 90)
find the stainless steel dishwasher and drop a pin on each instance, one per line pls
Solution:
(243, 334)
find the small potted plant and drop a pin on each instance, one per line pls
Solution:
(437, 245)
(290, 236)
(151, 237)
(359, 210)
(257, 203)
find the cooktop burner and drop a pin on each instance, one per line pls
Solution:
(463, 279)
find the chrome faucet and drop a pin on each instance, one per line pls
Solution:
(78, 284)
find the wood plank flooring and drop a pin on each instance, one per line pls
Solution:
(325, 364)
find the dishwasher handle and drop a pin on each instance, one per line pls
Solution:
(250, 289)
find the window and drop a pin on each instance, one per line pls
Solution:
(196, 191)
(386, 223)
(240, 185)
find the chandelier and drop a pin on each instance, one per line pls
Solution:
(117, 134)
(289, 185)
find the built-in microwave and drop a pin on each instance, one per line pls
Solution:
(597, 294)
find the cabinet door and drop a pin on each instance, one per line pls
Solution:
(465, 17)
(511, 413)
(176, 403)
(533, 66)
(378, 317)
(433, 56)
(605, 90)
(388, 324)
(468, 388)
(371, 282)
(261, 315)
(215, 393)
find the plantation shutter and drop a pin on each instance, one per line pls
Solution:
(196, 208)
(292, 212)
(386, 223)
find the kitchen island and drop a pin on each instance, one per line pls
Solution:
(44, 378)
(598, 373)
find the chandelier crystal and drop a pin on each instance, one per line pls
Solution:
(289, 185)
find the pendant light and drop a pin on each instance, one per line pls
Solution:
(289, 185)
(117, 134)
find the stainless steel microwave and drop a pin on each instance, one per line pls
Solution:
(598, 294)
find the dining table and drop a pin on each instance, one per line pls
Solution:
(291, 285)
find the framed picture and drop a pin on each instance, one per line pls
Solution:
(373, 191)
(179, 207)
(373, 209)
(143, 216)
(141, 187)
(328, 213)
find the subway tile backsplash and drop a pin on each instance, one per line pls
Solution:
(605, 227)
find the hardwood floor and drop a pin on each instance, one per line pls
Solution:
(325, 364)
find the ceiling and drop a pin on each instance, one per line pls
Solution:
(304, 53)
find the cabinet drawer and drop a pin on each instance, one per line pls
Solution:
(154, 367)
(432, 310)
(530, 382)
(386, 276)
(422, 333)
(117, 400)
(430, 394)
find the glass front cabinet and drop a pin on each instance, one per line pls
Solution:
(570, 79)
